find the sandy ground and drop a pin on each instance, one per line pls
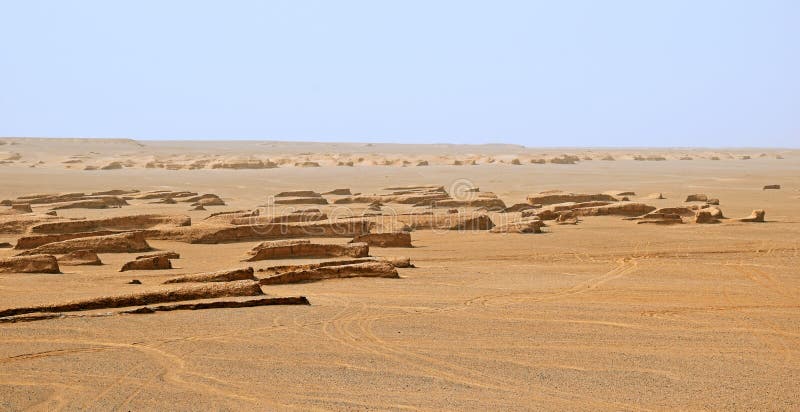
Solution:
(603, 315)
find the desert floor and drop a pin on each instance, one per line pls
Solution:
(603, 315)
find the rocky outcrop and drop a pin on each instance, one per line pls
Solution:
(148, 263)
(367, 269)
(38, 263)
(218, 276)
(705, 216)
(129, 242)
(289, 249)
(193, 292)
(386, 239)
(79, 258)
(294, 217)
(247, 233)
(17, 224)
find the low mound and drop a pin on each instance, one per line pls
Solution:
(219, 276)
(193, 292)
(79, 258)
(368, 269)
(22, 223)
(288, 249)
(30, 264)
(756, 216)
(130, 242)
(772, 187)
(148, 263)
(387, 239)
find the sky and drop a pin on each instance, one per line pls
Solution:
(538, 73)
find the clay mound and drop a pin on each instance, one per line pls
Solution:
(290, 300)
(164, 194)
(538, 161)
(306, 164)
(38, 263)
(771, 187)
(423, 163)
(621, 209)
(198, 207)
(246, 233)
(756, 216)
(698, 197)
(300, 193)
(134, 222)
(129, 242)
(680, 211)
(476, 222)
(549, 198)
(100, 202)
(519, 207)
(618, 194)
(289, 249)
(193, 292)
(489, 202)
(165, 201)
(339, 192)
(348, 163)
(79, 258)
(527, 226)
(294, 217)
(656, 196)
(607, 157)
(22, 208)
(367, 269)
(219, 276)
(22, 223)
(388, 239)
(115, 192)
(705, 216)
(148, 263)
(275, 270)
(47, 198)
(166, 254)
(6, 245)
(198, 198)
(301, 201)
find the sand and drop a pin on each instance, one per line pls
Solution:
(605, 314)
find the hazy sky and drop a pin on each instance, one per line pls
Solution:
(585, 73)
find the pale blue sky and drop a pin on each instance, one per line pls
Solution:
(538, 73)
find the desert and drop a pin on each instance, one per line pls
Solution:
(271, 275)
